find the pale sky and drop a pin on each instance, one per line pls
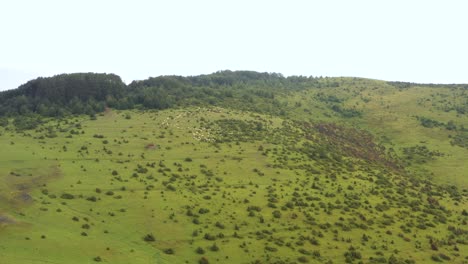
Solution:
(411, 40)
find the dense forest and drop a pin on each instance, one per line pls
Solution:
(89, 93)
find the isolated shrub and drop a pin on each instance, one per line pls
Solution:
(203, 211)
(200, 251)
(203, 260)
(214, 247)
(314, 241)
(276, 214)
(208, 236)
(92, 199)
(271, 249)
(436, 258)
(97, 259)
(169, 251)
(67, 196)
(254, 208)
(219, 225)
(141, 169)
(149, 238)
(444, 257)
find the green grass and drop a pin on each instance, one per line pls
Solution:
(332, 201)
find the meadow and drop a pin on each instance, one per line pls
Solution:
(366, 172)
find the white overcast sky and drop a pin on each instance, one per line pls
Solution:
(398, 40)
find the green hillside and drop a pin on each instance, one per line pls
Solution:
(233, 167)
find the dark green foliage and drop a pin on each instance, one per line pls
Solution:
(209, 237)
(451, 125)
(67, 196)
(203, 211)
(92, 199)
(149, 238)
(461, 140)
(420, 154)
(429, 123)
(3, 122)
(436, 258)
(346, 112)
(444, 257)
(271, 249)
(352, 255)
(203, 260)
(230, 130)
(78, 93)
(25, 122)
(89, 93)
(169, 251)
(276, 214)
(214, 247)
(328, 98)
(171, 187)
(200, 251)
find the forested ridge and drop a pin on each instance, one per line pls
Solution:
(89, 93)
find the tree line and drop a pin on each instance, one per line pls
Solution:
(90, 93)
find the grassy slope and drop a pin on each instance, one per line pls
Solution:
(391, 113)
(347, 194)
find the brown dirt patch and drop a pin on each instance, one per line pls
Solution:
(19, 187)
(108, 112)
(5, 220)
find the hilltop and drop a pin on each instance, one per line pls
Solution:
(233, 167)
